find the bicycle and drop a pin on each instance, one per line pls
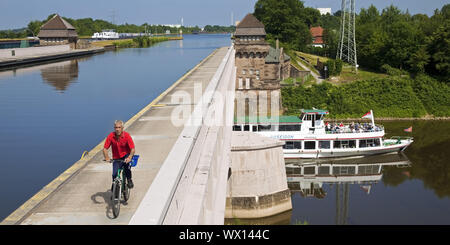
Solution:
(120, 186)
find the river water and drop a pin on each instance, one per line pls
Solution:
(52, 113)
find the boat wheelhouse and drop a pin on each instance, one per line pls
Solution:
(309, 136)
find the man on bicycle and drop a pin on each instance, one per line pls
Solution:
(122, 149)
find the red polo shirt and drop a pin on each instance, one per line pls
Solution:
(121, 146)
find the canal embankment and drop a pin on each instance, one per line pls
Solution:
(10, 58)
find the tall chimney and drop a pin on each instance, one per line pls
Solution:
(277, 45)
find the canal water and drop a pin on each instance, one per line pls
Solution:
(412, 188)
(51, 113)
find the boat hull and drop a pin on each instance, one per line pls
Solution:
(333, 153)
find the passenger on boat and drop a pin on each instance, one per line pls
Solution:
(327, 126)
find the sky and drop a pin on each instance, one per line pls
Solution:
(16, 14)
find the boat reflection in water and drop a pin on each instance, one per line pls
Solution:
(307, 177)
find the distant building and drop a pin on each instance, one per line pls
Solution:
(317, 36)
(57, 31)
(260, 67)
(324, 11)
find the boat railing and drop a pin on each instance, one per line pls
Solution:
(346, 129)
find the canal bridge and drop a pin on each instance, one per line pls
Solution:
(181, 177)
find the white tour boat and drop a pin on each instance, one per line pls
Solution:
(308, 136)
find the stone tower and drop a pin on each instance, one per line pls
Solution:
(260, 69)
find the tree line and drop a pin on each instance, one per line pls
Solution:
(413, 43)
(88, 26)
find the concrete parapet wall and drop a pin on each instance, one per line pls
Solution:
(258, 184)
(33, 51)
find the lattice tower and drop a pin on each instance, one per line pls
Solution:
(347, 43)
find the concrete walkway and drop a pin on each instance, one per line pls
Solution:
(82, 194)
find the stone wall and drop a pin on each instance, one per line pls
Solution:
(294, 72)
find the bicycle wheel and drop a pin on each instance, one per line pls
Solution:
(125, 191)
(116, 198)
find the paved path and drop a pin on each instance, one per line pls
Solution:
(318, 78)
(83, 197)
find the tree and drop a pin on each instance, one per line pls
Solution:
(419, 60)
(284, 20)
(439, 48)
(34, 27)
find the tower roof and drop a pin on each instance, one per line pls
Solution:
(57, 23)
(250, 21)
(57, 27)
(250, 26)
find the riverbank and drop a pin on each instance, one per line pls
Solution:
(138, 42)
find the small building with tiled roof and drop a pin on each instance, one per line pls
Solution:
(260, 67)
(317, 36)
(57, 31)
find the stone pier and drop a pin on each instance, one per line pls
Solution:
(257, 186)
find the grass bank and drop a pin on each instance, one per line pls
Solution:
(138, 42)
(389, 97)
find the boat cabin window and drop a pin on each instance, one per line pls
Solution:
(324, 170)
(310, 117)
(310, 145)
(246, 127)
(237, 128)
(293, 170)
(295, 127)
(324, 144)
(344, 144)
(369, 143)
(254, 128)
(309, 170)
(370, 169)
(344, 170)
(264, 127)
(290, 145)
